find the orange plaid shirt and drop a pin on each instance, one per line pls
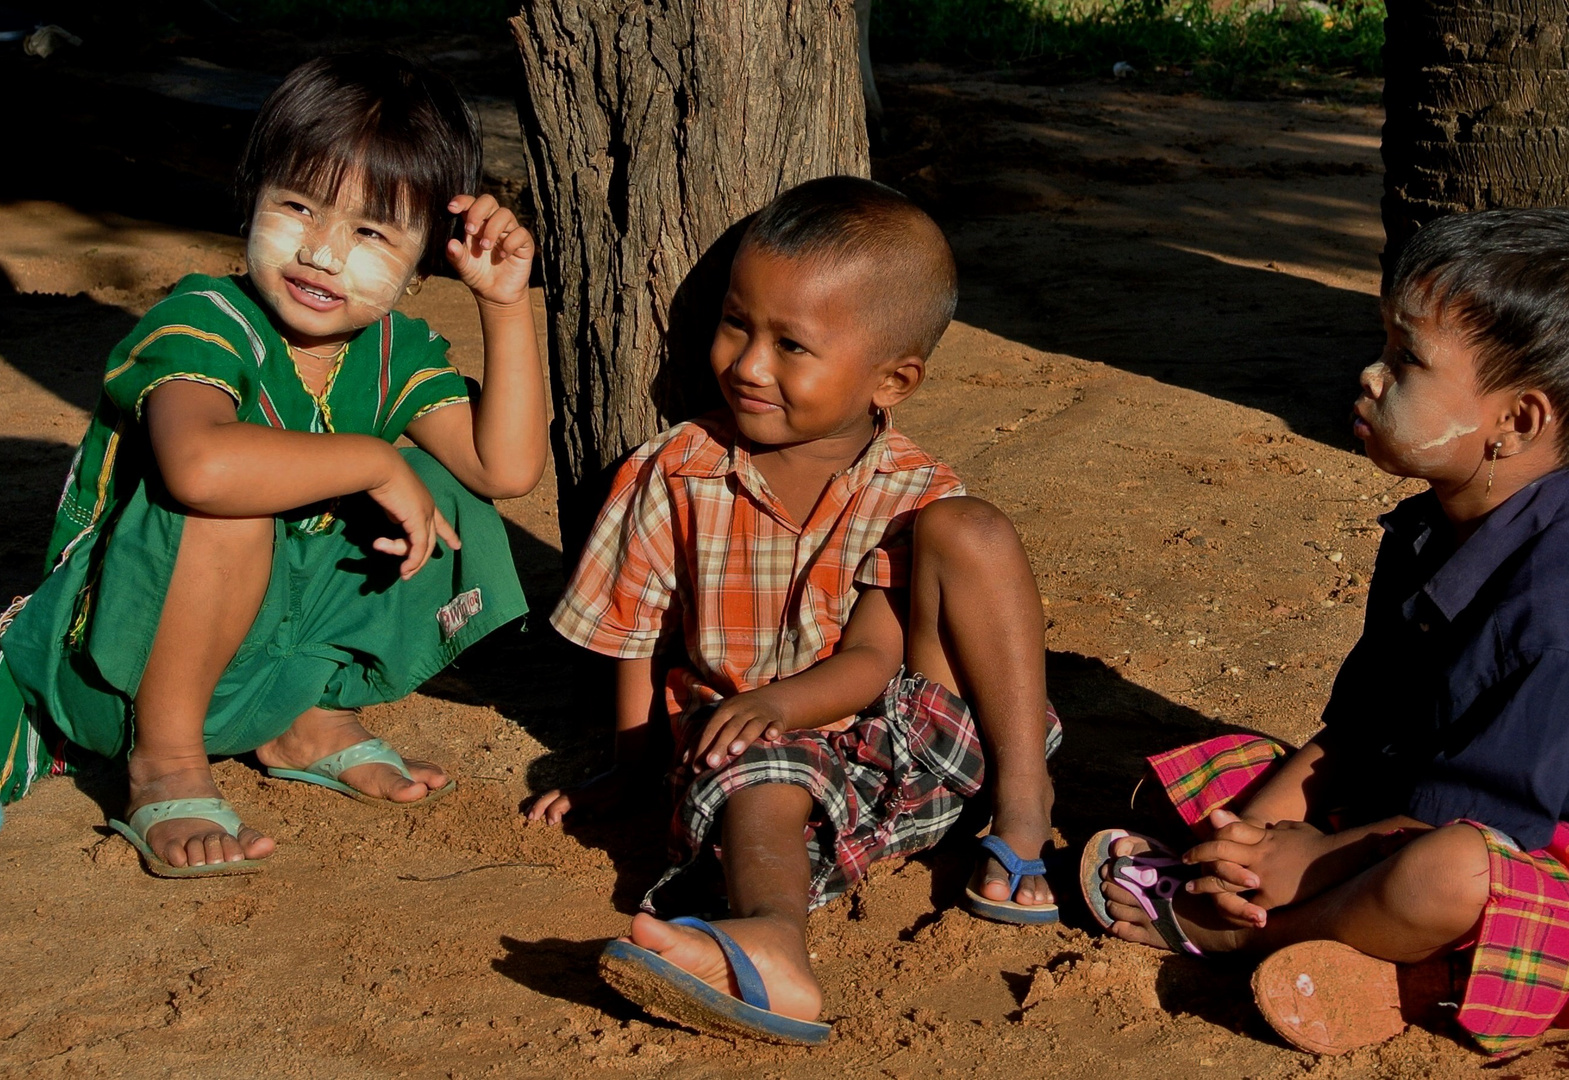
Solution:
(695, 559)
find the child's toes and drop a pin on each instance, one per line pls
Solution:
(431, 775)
(994, 882)
(254, 844)
(1033, 892)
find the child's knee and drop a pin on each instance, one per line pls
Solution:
(964, 528)
(1442, 878)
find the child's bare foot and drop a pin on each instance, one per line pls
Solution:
(319, 733)
(1194, 915)
(1025, 827)
(187, 841)
(775, 946)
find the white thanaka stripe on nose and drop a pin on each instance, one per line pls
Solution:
(324, 258)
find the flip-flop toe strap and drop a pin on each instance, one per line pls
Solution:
(1018, 868)
(217, 811)
(1153, 881)
(747, 979)
(368, 752)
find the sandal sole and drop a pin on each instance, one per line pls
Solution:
(1327, 998)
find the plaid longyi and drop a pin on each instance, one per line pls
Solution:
(1519, 982)
(1519, 978)
(1205, 776)
(890, 784)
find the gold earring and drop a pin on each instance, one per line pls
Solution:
(1493, 465)
(413, 287)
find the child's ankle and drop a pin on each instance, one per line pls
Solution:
(147, 763)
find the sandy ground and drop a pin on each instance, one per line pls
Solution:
(1166, 300)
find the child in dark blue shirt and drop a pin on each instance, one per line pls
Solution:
(1426, 822)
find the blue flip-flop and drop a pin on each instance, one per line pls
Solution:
(1010, 910)
(326, 771)
(217, 811)
(649, 980)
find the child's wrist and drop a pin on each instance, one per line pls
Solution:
(521, 308)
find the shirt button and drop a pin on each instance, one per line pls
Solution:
(790, 635)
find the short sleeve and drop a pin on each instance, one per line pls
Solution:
(887, 565)
(621, 599)
(425, 381)
(183, 338)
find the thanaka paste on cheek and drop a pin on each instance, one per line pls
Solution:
(1410, 423)
(275, 240)
(374, 276)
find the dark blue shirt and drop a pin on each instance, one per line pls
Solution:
(1455, 701)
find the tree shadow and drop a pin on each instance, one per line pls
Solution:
(31, 327)
(34, 470)
(101, 135)
(1271, 341)
(1121, 231)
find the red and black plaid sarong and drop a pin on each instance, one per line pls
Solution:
(891, 784)
(1519, 980)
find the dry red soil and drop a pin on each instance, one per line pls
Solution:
(1166, 300)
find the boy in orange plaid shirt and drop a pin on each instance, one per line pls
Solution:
(823, 607)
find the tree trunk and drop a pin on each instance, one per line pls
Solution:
(651, 130)
(1476, 101)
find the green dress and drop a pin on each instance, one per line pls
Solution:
(337, 627)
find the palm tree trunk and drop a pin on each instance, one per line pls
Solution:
(1476, 100)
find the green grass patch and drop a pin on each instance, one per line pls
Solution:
(1222, 50)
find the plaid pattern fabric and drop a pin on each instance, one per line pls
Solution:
(1520, 970)
(890, 784)
(695, 558)
(1206, 776)
(1519, 979)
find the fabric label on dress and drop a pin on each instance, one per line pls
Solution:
(457, 611)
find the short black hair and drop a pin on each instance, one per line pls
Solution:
(1504, 277)
(849, 219)
(406, 132)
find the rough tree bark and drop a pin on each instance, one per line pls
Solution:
(651, 129)
(1476, 101)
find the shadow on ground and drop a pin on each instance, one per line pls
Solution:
(568, 970)
(1086, 225)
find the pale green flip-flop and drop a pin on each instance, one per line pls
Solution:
(217, 811)
(368, 752)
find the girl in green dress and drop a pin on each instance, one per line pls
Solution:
(242, 558)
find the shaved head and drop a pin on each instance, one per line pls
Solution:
(902, 260)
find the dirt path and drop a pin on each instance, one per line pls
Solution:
(1165, 303)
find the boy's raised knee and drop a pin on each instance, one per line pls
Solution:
(964, 526)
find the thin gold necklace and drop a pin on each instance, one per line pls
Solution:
(337, 351)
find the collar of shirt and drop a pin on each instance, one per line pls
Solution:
(1420, 521)
(730, 452)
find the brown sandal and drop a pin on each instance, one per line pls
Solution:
(1327, 998)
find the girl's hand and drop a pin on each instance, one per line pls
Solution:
(406, 501)
(735, 724)
(1277, 862)
(496, 254)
